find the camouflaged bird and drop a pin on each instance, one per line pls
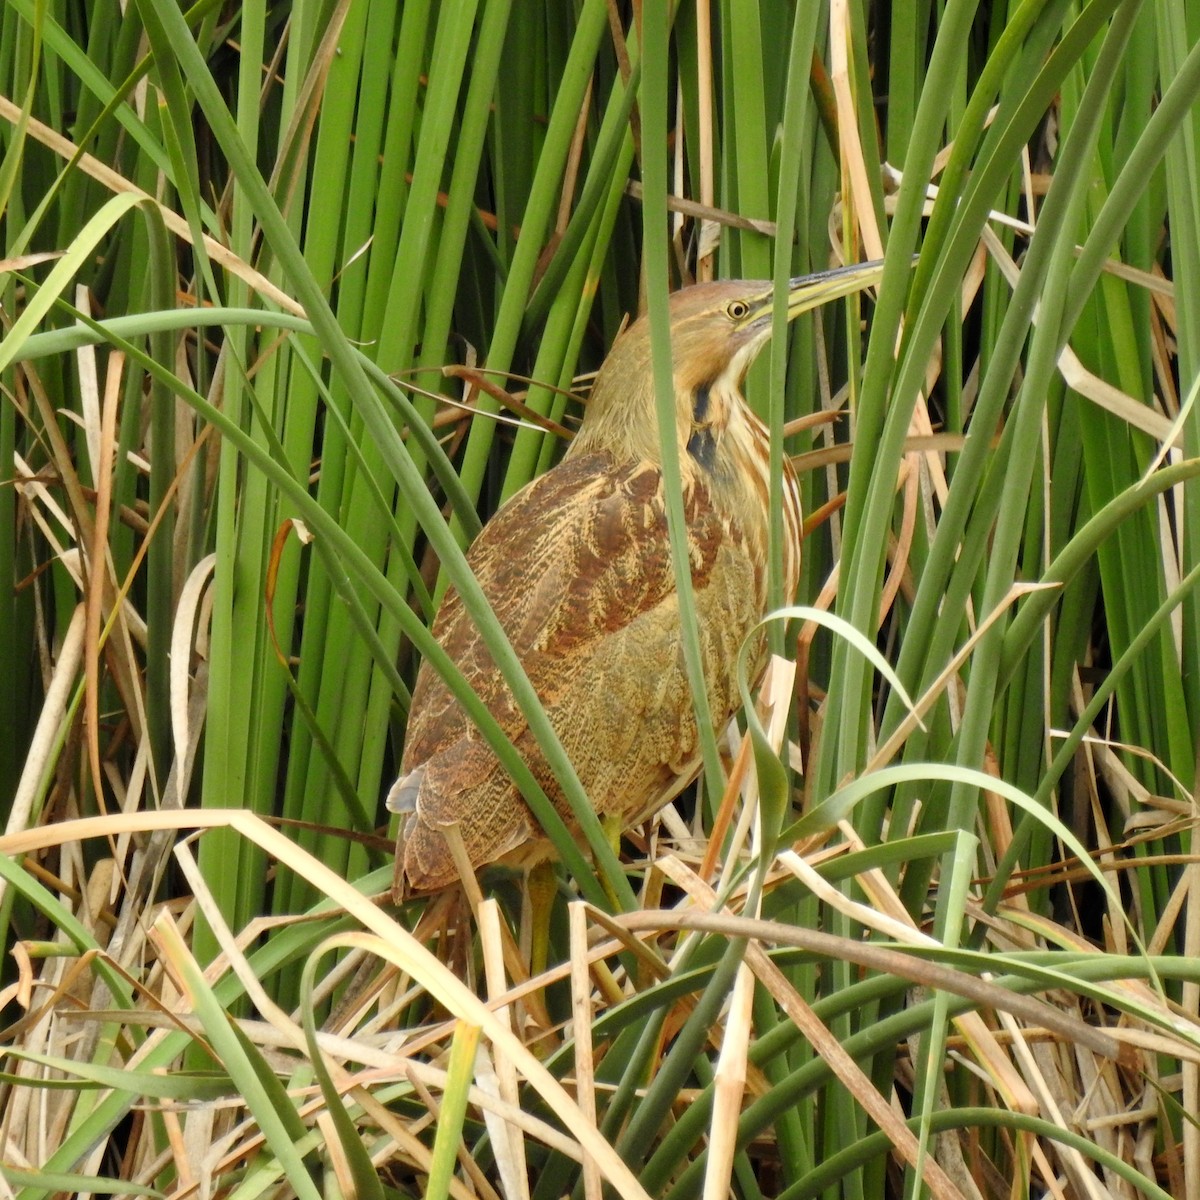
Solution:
(577, 568)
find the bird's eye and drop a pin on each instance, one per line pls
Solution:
(738, 309)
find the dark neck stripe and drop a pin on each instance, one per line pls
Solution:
(702, 446)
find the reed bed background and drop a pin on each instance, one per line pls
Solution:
(943, 940)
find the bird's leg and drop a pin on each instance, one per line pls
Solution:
(541, 883)
(611, 824)
(540, 886)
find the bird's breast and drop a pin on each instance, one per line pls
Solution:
(733, 465)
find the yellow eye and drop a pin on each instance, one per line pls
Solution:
(738, 309)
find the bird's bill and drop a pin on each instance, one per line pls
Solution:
(807, 292)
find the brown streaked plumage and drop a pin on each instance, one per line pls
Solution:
(577, 566)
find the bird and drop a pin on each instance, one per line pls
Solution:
(577, 568)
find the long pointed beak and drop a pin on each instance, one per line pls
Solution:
(808, 291)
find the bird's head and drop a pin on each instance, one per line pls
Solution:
(717, 330)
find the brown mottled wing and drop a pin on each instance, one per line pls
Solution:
(578, 570)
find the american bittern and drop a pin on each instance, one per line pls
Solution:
(577, 567)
